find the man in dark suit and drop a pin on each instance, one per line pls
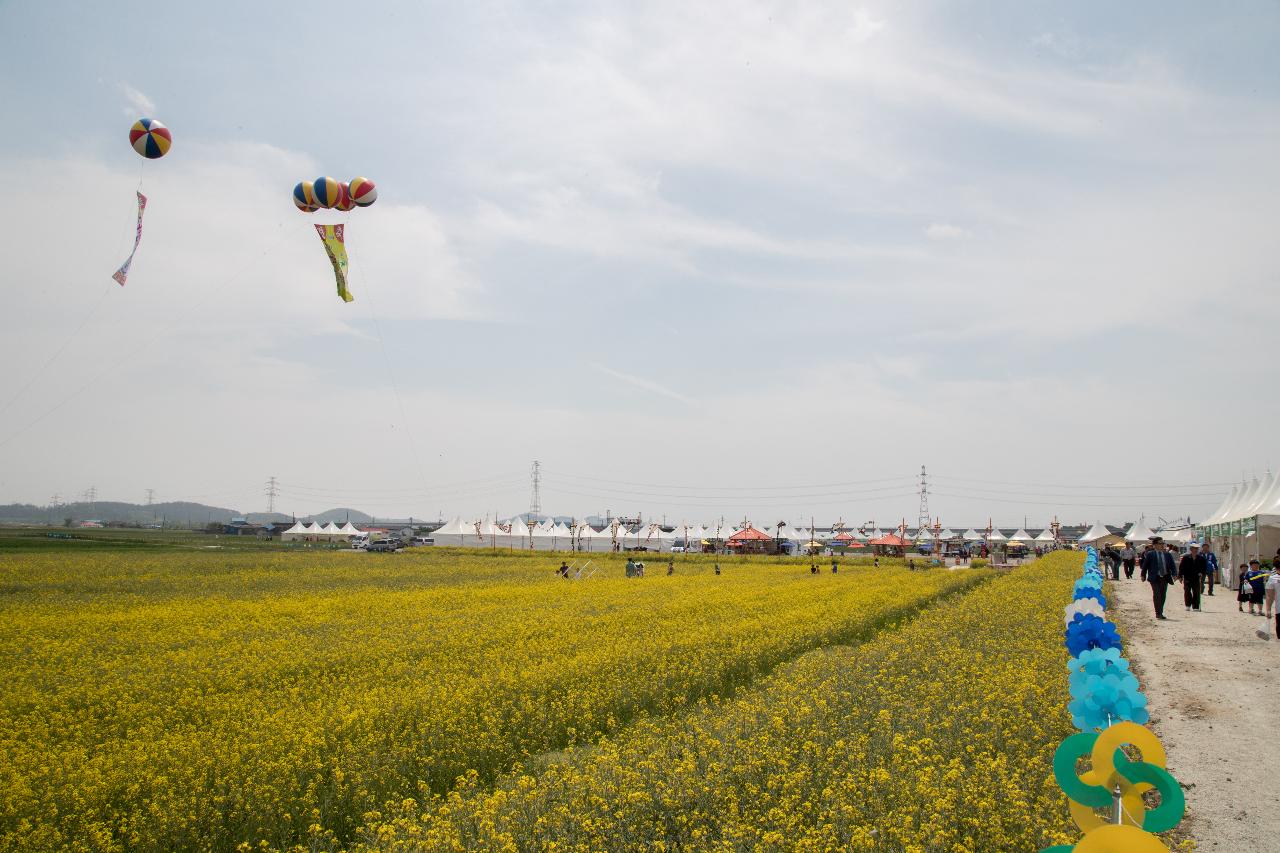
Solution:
(1191, 571)
(1158, 570)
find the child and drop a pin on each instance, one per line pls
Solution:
(1244, 593)
(1254, 580)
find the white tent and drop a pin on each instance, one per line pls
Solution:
(1177, 536)
(295, 533)
(972, 535)
(996, 536)
(1093, 534)
(1219, 515)
(518, 536)
(331, 529)
(590, 539)
(1138, 531)
(1261, 498)
(349, 529)
(1022, 536)
(545, 539)
(455, 533)
(946, 535)
(1045, 537)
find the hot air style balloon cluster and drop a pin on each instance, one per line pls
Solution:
(1109, 709)
(152, 140)
(310, 196)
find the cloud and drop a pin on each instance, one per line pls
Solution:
(642, 383)
(139, 105)
(945, 231)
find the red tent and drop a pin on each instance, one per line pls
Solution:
(889, 540)
(749, 534)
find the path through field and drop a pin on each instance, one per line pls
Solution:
(1212, 684)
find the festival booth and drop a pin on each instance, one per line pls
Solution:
(1247, 525)
(297, 533)
(517, 535)
(455, 534)
(589, 539)
(1138, 532)
(1046, 541)
(1099, 536)
(748, 540)
(543, 537)
(889, 545)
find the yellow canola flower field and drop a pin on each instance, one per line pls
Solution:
(938, 736)
(158, 701)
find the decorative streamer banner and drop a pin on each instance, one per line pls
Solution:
(123, 273)
(331, 235)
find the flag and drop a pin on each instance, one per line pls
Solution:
(123, 273)
(331, 235)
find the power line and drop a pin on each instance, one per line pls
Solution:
(1084, 486)
(899, 480)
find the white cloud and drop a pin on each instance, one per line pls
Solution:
(945, 231)
(139, 105)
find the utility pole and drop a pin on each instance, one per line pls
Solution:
(91, 497)
(272, 491)
(922, 522)
(535, 496)
(151, 496)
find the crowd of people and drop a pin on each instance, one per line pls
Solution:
(1198, 571)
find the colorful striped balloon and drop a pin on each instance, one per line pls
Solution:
(363, 192)
(304, 197)
(345, 202)
(150, 138)
(327, 190)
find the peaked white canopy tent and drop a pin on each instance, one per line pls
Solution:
(1095, 534)
(1138, 531)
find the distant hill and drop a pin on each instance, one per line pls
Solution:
(174, 513)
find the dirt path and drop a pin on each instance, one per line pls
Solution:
(1214, 691)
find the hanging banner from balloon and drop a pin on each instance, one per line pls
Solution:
(123, 273)
(331, 235)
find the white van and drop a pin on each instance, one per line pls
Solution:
(359, 543)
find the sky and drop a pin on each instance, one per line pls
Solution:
(747, 260)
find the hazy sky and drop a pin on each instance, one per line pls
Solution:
(699, 259)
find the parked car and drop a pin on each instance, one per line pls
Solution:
(677, 549)
(419, 541)
(359, 543)
(389, 546)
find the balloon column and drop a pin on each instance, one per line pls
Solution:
(152, 140)
(1108, 708)
(325, 192)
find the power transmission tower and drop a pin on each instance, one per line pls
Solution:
(91, 496)
(272, 491)
(535, 496)
(151, 496)
(923, 521)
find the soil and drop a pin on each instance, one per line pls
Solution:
(1213, 688)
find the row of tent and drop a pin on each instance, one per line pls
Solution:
(1137, 533)
(316, 530)
(1248, 501)
(551, 536)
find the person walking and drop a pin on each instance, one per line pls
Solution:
(1129, 557)
(1158, 570)
(1255, 581)
(1211, 565)
(1191, 572)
